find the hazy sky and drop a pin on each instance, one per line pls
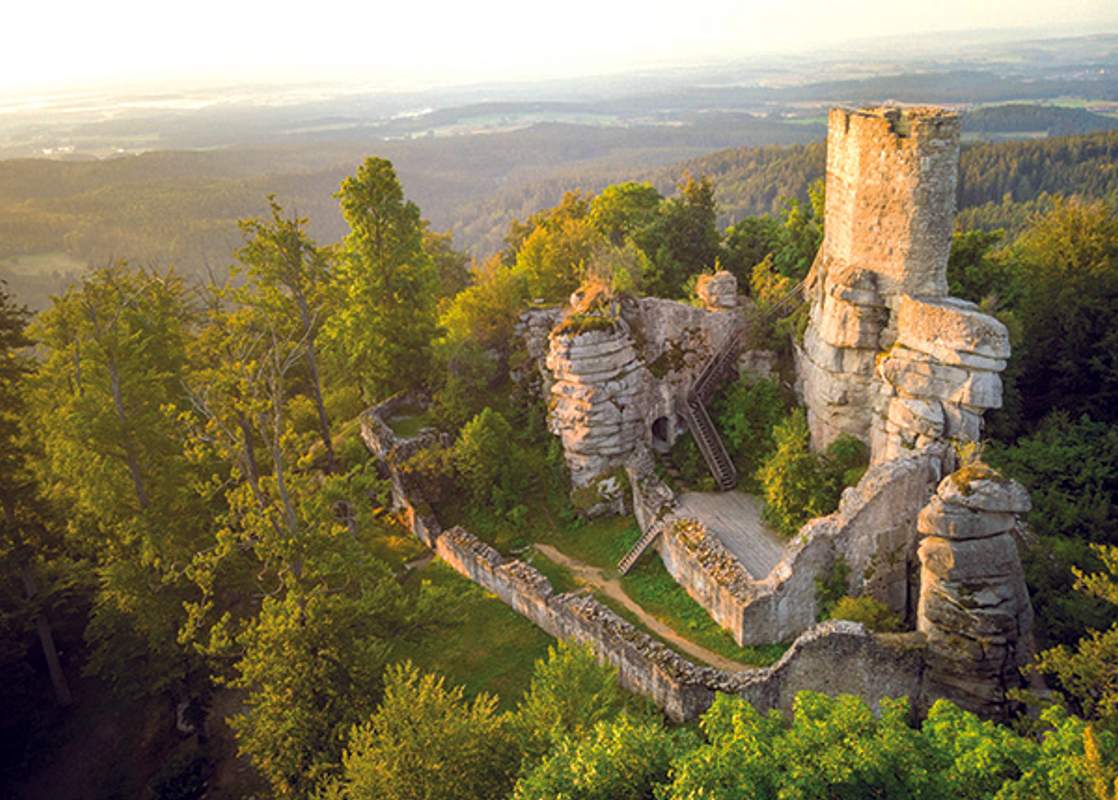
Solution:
(403, 42)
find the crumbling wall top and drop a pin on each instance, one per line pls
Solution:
(891, 179)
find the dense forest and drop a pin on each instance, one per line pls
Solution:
(181, 208)
(196, 541)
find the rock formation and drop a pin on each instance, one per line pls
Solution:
(596, 395)
(717, 291)
(887, 356)
(615, 383)
(974, 607)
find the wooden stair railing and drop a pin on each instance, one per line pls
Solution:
(714, 373)
(637, 550)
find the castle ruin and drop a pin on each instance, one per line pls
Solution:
(887, 357)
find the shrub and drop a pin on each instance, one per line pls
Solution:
(570, 693)
(875, 615)
(797, 483)
(492, 468)
(183, 776)
(468, 372)
(481, 453)
(433, 469)
(427, 740)
(846, 461)
(747, 413)
(830, 587)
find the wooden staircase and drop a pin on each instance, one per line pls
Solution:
(721, 367)
(637, 550)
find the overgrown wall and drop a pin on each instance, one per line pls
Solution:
(873, 531)
(872, 666)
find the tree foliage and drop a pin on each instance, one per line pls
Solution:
(426, 741)
(384, 327)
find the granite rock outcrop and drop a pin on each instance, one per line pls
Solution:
(974, 607)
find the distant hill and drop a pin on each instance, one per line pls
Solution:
(1018, 118)
(180, 207)
(753, 180)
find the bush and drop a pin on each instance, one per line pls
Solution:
(491, 467)
(427, 740)
(1070, 468)
(796, 482)
(183, 776)
(469, 371)
(687, 459)
(830, 587)
(433, 469)
(875, 615)
(747, 413)
(846, 461)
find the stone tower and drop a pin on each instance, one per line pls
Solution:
(887, 357)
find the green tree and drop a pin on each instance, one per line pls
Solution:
(796, 484)
(1068, 263)
(289, 280)
(684, 239)
(974, 270)
(33, 572)
(618, 759)
(625, 210)
(311, 662)
(452, 267)
(485, 312)
(1070, 468)
(106, 401)
(554, 257)
(384, 325)
(747, 413)
(747, 242)
(1088, 675)
(832, 748)
(484, 456)
(570, 692)
(427, 742)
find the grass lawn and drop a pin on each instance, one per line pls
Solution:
(492, 648)
(600, 542)
(410, 421)
(650, 585)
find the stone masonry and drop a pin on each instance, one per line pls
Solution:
(887, 356)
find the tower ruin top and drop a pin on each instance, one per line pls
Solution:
(891, 179)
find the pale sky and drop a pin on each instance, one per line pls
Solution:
(399, 43)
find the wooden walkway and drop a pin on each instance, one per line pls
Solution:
(735, 518)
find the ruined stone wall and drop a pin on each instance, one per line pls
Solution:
(873, 531)
(874, 666)
(887, 357)
(389, 448)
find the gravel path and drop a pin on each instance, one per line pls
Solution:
(595, 578)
